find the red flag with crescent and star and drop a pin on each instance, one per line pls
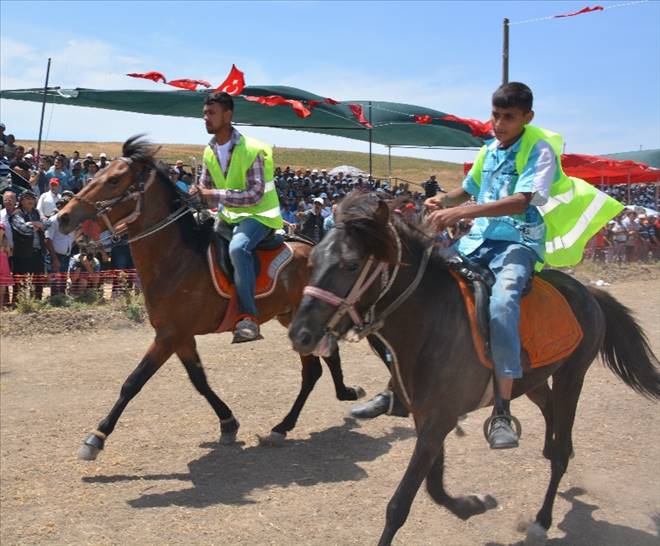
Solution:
(191, 85)
(234, 84)
(153, 75)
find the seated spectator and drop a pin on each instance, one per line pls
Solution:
(84, 273)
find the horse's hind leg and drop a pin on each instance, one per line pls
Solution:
(311, 371)
(429, 444)
(343, 392)
(566, 388)
(187, 353)
(156, 356)
(463, 507)
(542, 397)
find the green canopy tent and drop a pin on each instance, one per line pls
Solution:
(393, 123)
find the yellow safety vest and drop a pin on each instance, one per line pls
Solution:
(575, 210)
(267, 210)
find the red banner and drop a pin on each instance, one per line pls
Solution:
(328, 100)
(191, 85)
(478, 128)
(423, 120)
(153, 76)
(583, 10)
(234, 84)
(359, 115)
(276, 100)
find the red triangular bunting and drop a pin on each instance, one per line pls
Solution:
(583, 10)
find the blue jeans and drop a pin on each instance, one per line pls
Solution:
(246, 235)
(513, 265)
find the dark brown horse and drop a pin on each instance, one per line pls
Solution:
(435, 368)
(169, 254)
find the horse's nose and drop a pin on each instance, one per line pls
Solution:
(302, 339)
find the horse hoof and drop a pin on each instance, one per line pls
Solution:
(359, 392)
(536, 535)
(274, 439)
(488, 501)
(228, 438)
(88, 453)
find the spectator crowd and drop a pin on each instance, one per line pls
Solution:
(35, 254)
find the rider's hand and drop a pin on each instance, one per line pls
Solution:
(442, 218)
(435, 203)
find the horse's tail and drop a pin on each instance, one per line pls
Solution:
(626, 349)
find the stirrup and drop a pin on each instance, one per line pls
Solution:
(514, 421)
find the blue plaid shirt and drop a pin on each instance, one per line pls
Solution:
(498, 180)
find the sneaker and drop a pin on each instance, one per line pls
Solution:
(246, 329)
(500, 432)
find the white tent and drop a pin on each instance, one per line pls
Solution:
(354, 172)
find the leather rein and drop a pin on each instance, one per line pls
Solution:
(120, 227)
(369, 324)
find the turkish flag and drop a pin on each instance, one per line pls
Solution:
(311, 104)
(277, 100)
(188, 84)
(423, 120)
(583, 10)
(234, 84)
(153, 76)
(477, 128)
(359, 115)
(328, 100)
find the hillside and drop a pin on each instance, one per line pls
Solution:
(406, 168)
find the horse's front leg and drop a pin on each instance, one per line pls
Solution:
(187, 353)
(311, 371)
(343, 392)
(155, 357)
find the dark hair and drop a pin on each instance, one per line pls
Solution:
(222, 98)
(514, 95)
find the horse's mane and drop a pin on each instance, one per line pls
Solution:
(365, 215)
(195, 236)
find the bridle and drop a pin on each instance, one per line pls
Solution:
(134, 192)
(369, 324)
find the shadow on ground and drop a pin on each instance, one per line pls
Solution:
(228, 474)
(583, 530)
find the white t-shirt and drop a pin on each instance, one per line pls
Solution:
(62, 244)
(46, 204)
(223, 154)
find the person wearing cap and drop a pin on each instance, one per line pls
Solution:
(47, 203)
(28, 234)
(103, 160)
(311, 221)
(237, 178)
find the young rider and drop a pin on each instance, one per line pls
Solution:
(238, 179)
(511, 180)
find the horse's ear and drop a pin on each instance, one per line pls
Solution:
(382, 213)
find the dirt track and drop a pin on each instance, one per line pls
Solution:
(163, 479)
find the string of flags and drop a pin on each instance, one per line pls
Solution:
(587, 9)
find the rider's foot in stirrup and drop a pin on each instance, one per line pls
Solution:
(247, 329)
(501, 434)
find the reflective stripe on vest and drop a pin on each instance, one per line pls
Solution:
(575, 210)
(267, 210)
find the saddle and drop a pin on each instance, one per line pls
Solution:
(270, 257)
(548, 328)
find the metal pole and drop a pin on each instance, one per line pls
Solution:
(389, 163)
(505, 52)
(43, 109)
(370, 140)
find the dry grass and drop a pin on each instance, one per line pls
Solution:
(407, 168)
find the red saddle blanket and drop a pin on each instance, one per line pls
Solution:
(549, 330)
(271, 262)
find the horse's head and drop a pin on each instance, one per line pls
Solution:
(115, 190)
(346, 273)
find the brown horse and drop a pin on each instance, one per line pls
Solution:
(419, 320)
(169, 254)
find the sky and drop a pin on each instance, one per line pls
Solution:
(595, 77)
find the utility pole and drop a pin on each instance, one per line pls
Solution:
(43, 109)
(505, 52)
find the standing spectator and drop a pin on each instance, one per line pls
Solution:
(59, 252)
(28, 235)
(74, 159)
(4, 164)
(103, 160)
(178, 167)
(311, 221)
(42, 180)
(329, 221)
(20, 169)
(10, 146)
(431, 187)
(58, 171)
(6, 279)
(89, 171)
(76, 179)
(47, 204)
(3, 136)
(619, 239)
(121, 261)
